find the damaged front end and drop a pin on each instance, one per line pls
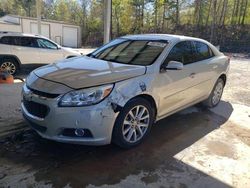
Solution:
(84, 124)
(128, 89)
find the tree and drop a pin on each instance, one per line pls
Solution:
(28, 5)
(212, 36)
(223, 13)
(244, 12)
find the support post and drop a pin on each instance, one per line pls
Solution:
(107, 20)
(38, 13)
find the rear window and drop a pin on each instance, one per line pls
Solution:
(135, 52)
(202, 51)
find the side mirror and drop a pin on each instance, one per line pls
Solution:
(173, 65)
(59, 47)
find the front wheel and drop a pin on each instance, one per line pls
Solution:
(216, 94)
(133, 123)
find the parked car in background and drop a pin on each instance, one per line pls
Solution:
(117, 92)
(17, 49)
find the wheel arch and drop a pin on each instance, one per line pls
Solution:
(224, 78)
(12, 57)
(116, 136)
(150, 99)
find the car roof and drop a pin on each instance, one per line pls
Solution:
(167, 37)
(18, 34)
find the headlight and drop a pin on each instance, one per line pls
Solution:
(85, 97)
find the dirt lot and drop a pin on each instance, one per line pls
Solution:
(194, 148)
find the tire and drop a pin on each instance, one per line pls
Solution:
(10, 65)
(129, 132)
(215, 96)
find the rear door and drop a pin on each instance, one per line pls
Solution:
(49, 52)
(203, 67)
(26, 49)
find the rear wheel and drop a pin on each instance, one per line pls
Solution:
(216, 94)
(133, 123)
(10, 65)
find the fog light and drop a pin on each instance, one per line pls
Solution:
(79, 132)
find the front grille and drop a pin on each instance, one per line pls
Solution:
(43, 94)
(36, 109)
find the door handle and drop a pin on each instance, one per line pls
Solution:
(192, 75)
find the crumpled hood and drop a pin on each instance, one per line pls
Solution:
(85, 71)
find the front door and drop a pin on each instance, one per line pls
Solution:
(177, 87)
(49, 52)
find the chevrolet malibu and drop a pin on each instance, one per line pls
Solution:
(117, 93)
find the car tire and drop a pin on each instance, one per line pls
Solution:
(130, 131)
(216, 94)
(9, 64)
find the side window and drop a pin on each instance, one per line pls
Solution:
(43, 43)
(5, 40)
(202, 51)
(28, 42)
(16, 41)
(182, 52)
(19, 41)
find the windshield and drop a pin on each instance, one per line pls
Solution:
(135, 52)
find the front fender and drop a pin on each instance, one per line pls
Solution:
(126, 90)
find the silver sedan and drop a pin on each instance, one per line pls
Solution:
(117, 93)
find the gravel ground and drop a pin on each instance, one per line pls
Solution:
(194, 148)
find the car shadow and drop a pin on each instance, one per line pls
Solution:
(62, 164)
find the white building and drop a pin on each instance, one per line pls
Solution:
(62, 33)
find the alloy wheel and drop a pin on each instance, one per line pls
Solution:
(217, 93)
(9, 67)
(135, 124)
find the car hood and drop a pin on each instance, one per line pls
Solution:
(81, 72)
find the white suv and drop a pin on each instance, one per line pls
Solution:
(18, 48)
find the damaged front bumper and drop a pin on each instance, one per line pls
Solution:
(62, 124)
